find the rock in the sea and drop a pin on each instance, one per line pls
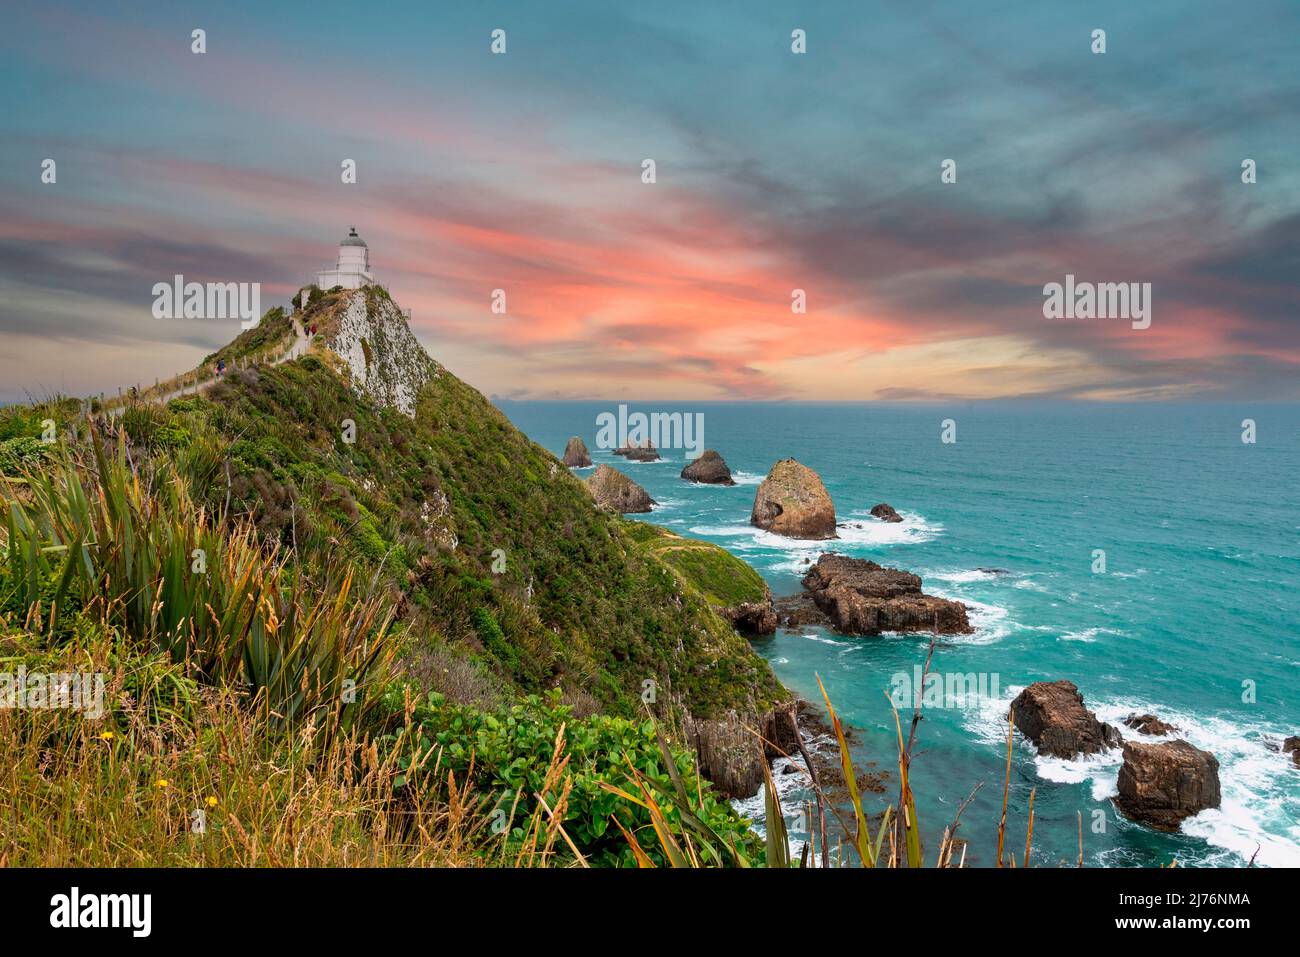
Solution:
(885, 513)
(1148, 724)
(576, 455)
(863, 598)
(792, 501)
(1051, 714)
(639, 453)
(752, 617)
(708, 469)
(615, 491)
(1162, 784)
(1291, 746)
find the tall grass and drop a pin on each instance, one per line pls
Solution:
(131, 548)
(228, 788)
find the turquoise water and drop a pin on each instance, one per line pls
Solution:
(1197, 605)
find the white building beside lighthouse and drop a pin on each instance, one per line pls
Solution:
(352, 271)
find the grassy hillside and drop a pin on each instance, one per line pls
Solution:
(719, 577)
(496, 549)
(450, 570)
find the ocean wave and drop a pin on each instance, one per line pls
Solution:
(826, 640)
(964, 576)
(662, 503)
(1090, 635)
(912, 530)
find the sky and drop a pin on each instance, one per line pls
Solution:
(774, 171)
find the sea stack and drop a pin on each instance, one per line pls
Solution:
(1163, 784)
(708, 469)
(576, 455)
(1051, 714)
(792, 501)
(615, 491)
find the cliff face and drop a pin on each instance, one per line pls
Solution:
(510, 578)
(386, 361)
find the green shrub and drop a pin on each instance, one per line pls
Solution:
(511, 751)
(18, 455)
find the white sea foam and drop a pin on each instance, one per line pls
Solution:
(826, 640)
(913, 530)
(747, 478)
(963, 576)
(1029, 584)
(791, 789)
(1260, 788)
(1090, 635)
(991, 623)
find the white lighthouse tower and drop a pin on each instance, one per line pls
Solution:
(352, 271)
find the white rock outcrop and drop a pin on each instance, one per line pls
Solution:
(386, 361)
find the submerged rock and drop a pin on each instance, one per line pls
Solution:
(708, 469)
(1148, 724)
(792, 501)
(639, 453)
(885, 513)
(576, 455)
(1051, 714)
(1163, 784)
(615, 491)
(859, 597)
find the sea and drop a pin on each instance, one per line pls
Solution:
(1150, 553)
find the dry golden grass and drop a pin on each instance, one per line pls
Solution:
(77, 793)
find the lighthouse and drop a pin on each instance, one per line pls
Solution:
(352, 270)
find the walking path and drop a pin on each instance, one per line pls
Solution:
(301, 343)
